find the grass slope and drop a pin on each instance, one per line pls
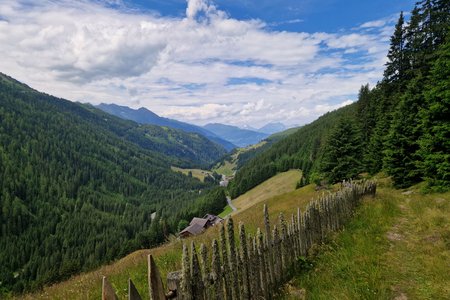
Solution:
(168, 256)
(279, 184)
(396, 247)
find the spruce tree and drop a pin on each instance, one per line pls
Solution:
(435, 143)
(396, 65)
(401, 144)
(442, 17)
(343, 152)
(413, 43)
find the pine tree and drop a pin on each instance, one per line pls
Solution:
(435, 143)
(343, 152)
(442, 17)
(413, 42)
(366, 112)
(401, 144)
(396, 65)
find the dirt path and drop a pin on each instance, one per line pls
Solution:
(419, 252)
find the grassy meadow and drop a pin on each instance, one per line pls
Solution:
(396, 247)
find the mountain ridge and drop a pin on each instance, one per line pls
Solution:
(143, 115)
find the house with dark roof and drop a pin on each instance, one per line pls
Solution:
(199, 225)
(213, 219)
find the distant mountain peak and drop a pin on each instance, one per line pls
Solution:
(272, 128)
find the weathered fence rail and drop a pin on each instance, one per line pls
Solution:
(255, 266)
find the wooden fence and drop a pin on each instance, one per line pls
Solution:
(259, 265)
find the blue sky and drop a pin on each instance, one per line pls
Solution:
(292, 15)
(235, 62)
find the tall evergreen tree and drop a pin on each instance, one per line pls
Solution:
(343, 152)
(396, 65)
(413, 42)
(442, 17)
(401, 145)
(366, 112)
(435, 143)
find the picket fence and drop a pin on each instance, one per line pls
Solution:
(260, 264)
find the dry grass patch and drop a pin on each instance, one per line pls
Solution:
(197, 173)
(279, 184)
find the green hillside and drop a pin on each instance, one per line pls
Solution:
(78, 186)
(402, 125)
(300, 150)
(237, 158)
(395, 247)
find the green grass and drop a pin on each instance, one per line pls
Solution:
(397, 245)
(226, 211)
(226, 168)
(277, 185)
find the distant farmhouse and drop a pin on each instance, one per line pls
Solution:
(199, 225)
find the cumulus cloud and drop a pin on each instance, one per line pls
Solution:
(103, 51)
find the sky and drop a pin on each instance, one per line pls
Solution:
(236, 62)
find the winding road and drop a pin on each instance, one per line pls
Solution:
(231, 204)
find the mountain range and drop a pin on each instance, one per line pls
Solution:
(145, 116)
(226, 135)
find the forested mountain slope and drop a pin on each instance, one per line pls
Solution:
(145, 116)
(401, 126)
(78, 186)
(299, 150)
(186, 149)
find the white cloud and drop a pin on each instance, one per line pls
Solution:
(181, 67)
(371, 24)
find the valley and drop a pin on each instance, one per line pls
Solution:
(344, 192)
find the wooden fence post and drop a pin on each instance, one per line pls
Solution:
(155, 286)
(245, 262)
(225, 264)
(205, 270)
(108, 292)
(186, 288)
(283, 240)
(216, 271)
(232, 259)
(196, 275)
(256, 271)
(262, 264)
(277, 261)
(270, 252)
(133, 293)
